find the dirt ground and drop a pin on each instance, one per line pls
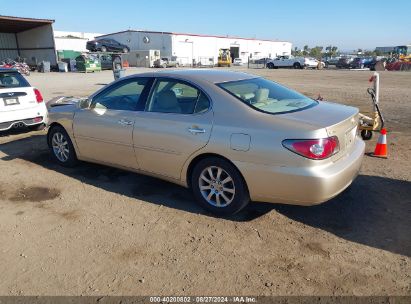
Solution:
(94, 230)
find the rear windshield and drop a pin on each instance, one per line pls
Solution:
(12, 80)
(267, 96)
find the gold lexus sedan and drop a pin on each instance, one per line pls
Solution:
(231, 137)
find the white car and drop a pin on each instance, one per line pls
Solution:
(21, 105)
(292, 62)
(238, 61)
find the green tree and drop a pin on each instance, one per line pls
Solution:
(316, 52)
(295, 51)
(306, 50)
(331, 51)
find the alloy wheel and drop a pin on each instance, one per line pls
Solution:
(216, 186)
(60, 147)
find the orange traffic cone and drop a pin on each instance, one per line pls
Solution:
(381, 147)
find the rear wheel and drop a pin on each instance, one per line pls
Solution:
(297, 65)
(125, 50)
(270, 65)
(103, 49)
(219, 187)
(61, 147)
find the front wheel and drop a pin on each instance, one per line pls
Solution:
(103, 49)
(270, 66)
(219, 187)
(61, 147)
(125, 50)
(297, 65)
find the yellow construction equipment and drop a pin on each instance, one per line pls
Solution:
(367, 124)
(400, 60)
(224, 57)
(403, 52)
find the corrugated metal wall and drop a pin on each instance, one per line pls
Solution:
(8, 41)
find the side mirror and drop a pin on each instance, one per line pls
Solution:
(84, 103)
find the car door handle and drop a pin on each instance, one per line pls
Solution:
(125, 122)
(196, 131)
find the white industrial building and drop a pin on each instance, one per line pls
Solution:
(74, 41)
(187, 47)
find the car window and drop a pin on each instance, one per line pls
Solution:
(267, 96)
(173, 96)
(12, 80)
(123, 96)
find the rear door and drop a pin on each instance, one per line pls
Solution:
(176, 123)
(282, 62)
(16, 94)
(104, 132)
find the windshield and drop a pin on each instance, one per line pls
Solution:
(12, 80)
(267, 96)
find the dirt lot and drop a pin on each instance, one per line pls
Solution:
(93, 230)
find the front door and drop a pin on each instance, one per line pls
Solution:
(104, 132)
(177, 122)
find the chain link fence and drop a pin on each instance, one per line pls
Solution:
(257, 63)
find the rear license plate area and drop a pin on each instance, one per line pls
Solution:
(350, 137)
(10, 101)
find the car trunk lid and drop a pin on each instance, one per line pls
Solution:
(337, 119)
(14, 99)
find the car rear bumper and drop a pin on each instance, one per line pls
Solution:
(25, 117)
(302, 186)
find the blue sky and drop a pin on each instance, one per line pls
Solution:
(346, 24)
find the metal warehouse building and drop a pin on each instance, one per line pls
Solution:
(28, 38)
(187, 47)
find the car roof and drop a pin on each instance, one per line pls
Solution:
(209, 75)
(7, 70)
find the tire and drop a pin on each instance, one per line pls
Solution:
(213, 197)
(177, 65)
(57, 135)
(164, 66)
(103, 49)
(366, 134)
(297, 65)
(125, 50)
(270, 65)
(39, 127)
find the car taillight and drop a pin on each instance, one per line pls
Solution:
(39, 98)
(313, 148)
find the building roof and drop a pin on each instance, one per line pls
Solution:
(188, 34)
(11, 24)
